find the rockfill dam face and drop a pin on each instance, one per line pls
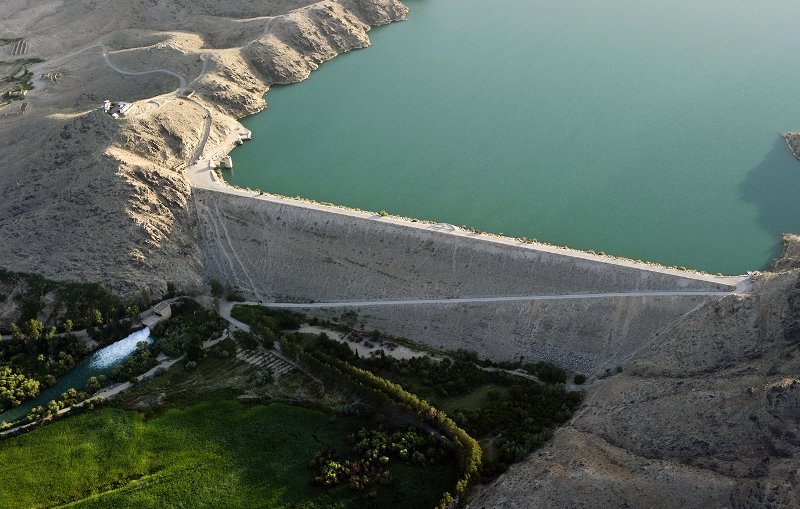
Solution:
(276, 250)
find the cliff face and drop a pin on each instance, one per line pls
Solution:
(85, 197)
(710, 417)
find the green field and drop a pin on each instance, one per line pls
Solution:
(213, 454)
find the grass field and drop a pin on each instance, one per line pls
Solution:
(475, 400)
(213, 454)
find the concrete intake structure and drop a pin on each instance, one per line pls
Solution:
(277, 250)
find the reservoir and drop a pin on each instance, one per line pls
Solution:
(98, 363)
(638, 128)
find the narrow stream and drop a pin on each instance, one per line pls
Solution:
(98, 363)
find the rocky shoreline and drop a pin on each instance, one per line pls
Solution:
(793, 142)
(87, 197)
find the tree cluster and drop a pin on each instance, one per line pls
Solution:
(383, 393)
(187, 329)
(140, 361)
(373, 450)
(69, 398)
(15, 388)
(81, 302)
(39, 351)
(518, 421)
(267, 323)
(32, 359)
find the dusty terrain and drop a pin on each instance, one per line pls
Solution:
(710, 417)
(87, 197)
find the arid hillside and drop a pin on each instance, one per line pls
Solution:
(86, 197)
(708, 417)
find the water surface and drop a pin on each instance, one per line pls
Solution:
(98, 363)
(640, 128)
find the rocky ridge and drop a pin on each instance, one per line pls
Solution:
(709, 417)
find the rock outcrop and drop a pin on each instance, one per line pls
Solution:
(709, 417)
(793, 142)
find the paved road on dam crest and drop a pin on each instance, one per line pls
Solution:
(471, 300)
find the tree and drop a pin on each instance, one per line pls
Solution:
(33, 329)
(16, 333)
(93, 384)
(133, 312)
(216, 287)
(68, 326)
(97, 317)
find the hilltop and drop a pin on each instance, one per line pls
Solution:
(87, 197)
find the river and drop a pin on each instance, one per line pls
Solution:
(100, 362)
(640, 128)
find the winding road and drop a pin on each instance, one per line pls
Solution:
(120, 70)
(183, 84)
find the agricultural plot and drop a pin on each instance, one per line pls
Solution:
(213, 454)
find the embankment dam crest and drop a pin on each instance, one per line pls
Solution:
(441, 285)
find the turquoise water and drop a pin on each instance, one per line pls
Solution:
(98, 363)
(640, 128)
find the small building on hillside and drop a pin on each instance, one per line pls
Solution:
(163, 310)
(116, 109)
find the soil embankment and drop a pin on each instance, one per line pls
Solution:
(275, 249)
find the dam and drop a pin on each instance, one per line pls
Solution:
(504, 298)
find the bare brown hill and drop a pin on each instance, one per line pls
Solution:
(87, 197)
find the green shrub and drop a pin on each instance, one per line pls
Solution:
(246, 340)
(547, 372)
(217, 289)
(190, 324)
(579, 379)
(140, 361)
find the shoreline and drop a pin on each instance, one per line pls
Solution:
(203, 175)
(792, 140)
